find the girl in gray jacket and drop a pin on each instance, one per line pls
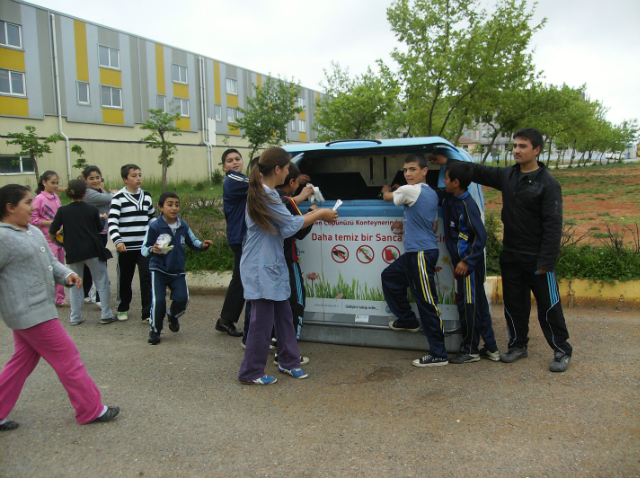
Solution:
(28, 274)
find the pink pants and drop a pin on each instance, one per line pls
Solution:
(51, 341)
(58, 253)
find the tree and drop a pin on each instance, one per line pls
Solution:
(162, 125)
(31, 146)
(353, 108)
(269, 112)
(81, 162)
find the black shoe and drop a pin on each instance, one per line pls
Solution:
(560, 362)
(109, 320)
(303, 360)
(464, 358)
(430, 361)
(414, 327)
(229, 328)
(154, 338)
(8, 426)
(109, 415)
(174, 325)
(514, 354)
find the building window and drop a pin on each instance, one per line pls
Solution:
(161, 103)
(111, 97)
(300, 103)
(232, 86)
(293, 125)
(302, 126)
(12, 83)
(15, 165)
(10, 35)
(83, 94)
(232, 115)
(179, 74)
(109, 57)
(184, 106)
(217, 112)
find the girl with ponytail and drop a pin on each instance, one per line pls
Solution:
(264, 272)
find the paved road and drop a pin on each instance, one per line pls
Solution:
(361, 413)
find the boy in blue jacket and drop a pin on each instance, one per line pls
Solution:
(167, 264)
(466, 237)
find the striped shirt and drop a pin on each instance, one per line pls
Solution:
(129, 218)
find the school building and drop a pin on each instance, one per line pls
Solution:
(94, 85)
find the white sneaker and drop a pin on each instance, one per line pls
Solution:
(98, 304)
(87, 300)
(122, 316)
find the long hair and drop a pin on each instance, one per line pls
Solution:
(257, 196)
(44, 177)
(11, 194)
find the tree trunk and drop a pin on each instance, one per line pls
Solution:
(573, 154)
(549, 153)
(486, 153)
(164, 171)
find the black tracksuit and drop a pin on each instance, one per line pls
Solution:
(532, 218)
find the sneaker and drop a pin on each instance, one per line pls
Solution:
(303, 360)
(465, 358)
(8, 426)
(274, 344)
(154, 338)
(489, 355)
(560, 362)
(146, 320)
(414, 327)
(122, 316)
(243, 344)
(430, 361)
(174, 325)
(76, 323)
(109, 415)
(108, 320)
(98, 304)
(87, 300)
(294, 372)
(514, 354)
(265, 380)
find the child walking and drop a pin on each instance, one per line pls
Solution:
(130, 214)
(28, 272)
(167, 266)
(465, 237)
(264, 270)
(45, 206)
(82, 225)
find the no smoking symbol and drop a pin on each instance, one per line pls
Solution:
(365, 254)
(339, 253)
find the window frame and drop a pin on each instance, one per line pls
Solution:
(236, 115)
(180, 102)
(301, 102)
(186, 74)
(82, 103)
(302, 126)
(293, 125)
(121, 107)
(6, 36)
(217, 112)
(22, 170)
(164, 103)
(24, 84)
(109, 49)
(231, 81)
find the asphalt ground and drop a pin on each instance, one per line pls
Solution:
(363, 412)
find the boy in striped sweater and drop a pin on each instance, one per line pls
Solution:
(129, 217)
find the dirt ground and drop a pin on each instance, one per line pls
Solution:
(363, 412)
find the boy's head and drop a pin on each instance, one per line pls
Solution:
(457, 177)
(415, 168)
(169, 205)
(131, 176)
(76, 189)
(232, 160)
(527, 145)
(290, 185)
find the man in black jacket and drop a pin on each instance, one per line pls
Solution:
(532, 218)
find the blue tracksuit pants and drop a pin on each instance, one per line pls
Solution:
(475, 317)
(179, 297)
(416, 270)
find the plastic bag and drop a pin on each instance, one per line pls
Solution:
(163, 242)
(317, 195)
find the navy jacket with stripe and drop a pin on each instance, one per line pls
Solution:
(234, 199)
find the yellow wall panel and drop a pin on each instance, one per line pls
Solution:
(302, 115)
(259, 78)
(160, 69)
(180, 90)
(11, 106)
(112, 116)
(216, 82)
(232, 101)
(184, 123)
(82, 61)
(12, 59)
(110, 77)
(303, 136)
(234, 130)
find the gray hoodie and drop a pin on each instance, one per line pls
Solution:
(28, 274)
(101, 200)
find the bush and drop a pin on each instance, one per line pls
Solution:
(494, 244)
(217, 177)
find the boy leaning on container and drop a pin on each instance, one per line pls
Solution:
(465, 237)
(415, 268)
(164, 242)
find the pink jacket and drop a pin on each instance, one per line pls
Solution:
(45, 206)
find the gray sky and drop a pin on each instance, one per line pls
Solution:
(596, 42)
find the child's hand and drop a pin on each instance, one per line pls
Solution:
(120, 247)
(397, 227)
(329, 215)
(74, 279)
(104, 216)
(385, 189)
(304, 179)
(306, 192)
(156, 249)
(206, 244)
(461, 269)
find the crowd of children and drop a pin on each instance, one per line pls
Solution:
(263, 221)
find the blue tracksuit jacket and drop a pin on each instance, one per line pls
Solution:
(234, 201)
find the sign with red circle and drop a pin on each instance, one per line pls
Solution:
(340, 253)
(390, 254)
(365, 254)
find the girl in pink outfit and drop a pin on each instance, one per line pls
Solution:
(45, 206)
